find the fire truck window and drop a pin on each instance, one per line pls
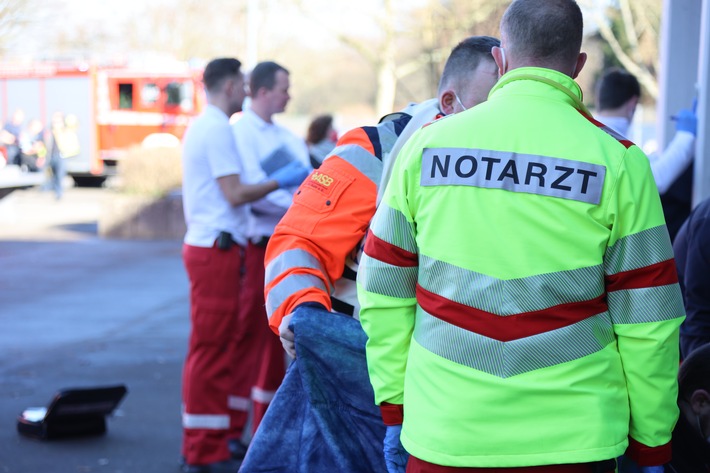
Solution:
(150, 93)
(180, 94)
(125, 96)
(173, 93)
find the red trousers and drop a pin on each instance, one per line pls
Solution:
(210, 370)
(258, 348)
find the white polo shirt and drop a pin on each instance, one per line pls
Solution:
(209, 152)
(264, 147)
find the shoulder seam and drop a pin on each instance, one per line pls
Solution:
(621, 139)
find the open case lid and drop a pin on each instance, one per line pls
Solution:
(85, 401)
(72, 411)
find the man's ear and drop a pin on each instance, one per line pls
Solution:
(447, 101)
(700, 401)
(228, 87)
(581, 60)
(631, 106)
(498, 58)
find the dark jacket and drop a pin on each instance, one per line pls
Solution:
(692, 257)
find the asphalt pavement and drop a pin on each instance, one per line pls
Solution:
(77, 310)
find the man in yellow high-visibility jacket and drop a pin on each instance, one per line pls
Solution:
(518, 287)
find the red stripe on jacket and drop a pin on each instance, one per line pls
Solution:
(627, 143)
(388, 253)
(509, 327)
(659, 274)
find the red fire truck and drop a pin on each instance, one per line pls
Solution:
(115, 107)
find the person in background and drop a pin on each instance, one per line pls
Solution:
(10, 137)
(321, 139)
(34, 150)
(691, 436)
(54, 165)
(692, 256)
(617, 96)
(70, 145)
(312, 261)
(265, 147)
(213, 200)
(518, 288)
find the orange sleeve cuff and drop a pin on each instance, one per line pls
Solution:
(644, 455)
(294, 301)
(392, 414)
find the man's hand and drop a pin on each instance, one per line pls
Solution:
(396, 456)
(686, 120)
(287, 336)
(290, 175)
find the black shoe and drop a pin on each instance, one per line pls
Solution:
(227, 466)
(237, 449)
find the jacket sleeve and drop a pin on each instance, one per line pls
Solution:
(675, 159)
(329, 216)
(696, 329)
(386, 284)
(646, 308)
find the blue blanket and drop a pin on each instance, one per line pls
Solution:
(323, 417)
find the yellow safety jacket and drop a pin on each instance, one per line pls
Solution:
(518, 287)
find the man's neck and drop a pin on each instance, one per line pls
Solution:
(221, 104)
(261, 112)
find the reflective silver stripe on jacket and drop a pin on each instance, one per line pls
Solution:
(289, 286)
(648, 304)
(506, 359)
(361, 159)
(512, 296)
(381, 278)
(639, 250)
(392, 226)
(289, 259)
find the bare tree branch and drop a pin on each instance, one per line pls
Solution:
(15, 16)
(647, 79)
(629, 27)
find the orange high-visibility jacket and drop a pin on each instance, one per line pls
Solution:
(315, 249)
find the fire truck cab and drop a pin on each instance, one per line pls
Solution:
(112, 108)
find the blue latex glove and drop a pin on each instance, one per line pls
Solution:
(652, 469)
(395, 455)
(686, 120)
(290, 175)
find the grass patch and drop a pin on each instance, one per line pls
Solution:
(154, 172)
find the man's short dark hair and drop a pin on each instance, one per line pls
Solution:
(465, 58)
(543, 29)
(218, 70)
(264, 75)
(615, 88)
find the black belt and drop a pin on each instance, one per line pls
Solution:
(342, 307)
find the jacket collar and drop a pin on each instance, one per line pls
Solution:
(556, 80)
(260, 123)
